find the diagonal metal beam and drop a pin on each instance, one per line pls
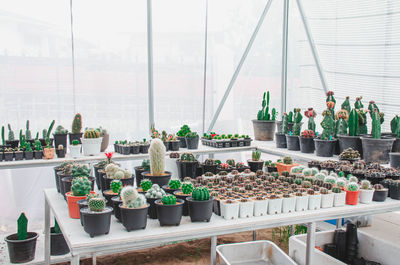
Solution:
(285, 28)
(239, 67)
(312, 46)
(150, 62)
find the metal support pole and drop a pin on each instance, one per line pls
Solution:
(75, 260)
(254, 235)
(205, 68)
(213, 254)
(312, 46)
(285, 26)
(72, 57)
(150, 62)
(46, 232)
(339, 223)
(239, 67)
(310, 243)
(94, 259)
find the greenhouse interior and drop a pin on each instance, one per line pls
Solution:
(200, 132)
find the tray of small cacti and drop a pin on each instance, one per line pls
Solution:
(225, 140)
(126, 147)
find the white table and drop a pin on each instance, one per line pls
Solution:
(119, 240)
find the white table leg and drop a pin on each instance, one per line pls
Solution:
(213, 253)
(310, 243)
(338, 223)
(254, 235)
(94, 259)
(75, 260)
(46, 232)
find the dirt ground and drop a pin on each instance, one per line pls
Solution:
(186, 253)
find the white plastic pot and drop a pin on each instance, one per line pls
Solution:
(339, 199)
(366, 196)
(301, 203)
(246, 209)
(91, 146)
(275, 206)
(260, 207)
(314, 202)
(289, 204)
(75, 150)
(327, 200)
(229, 211)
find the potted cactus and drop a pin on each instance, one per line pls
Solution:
(246, 207)
(145, 166)
(352, 138)
(306, 140)
(210, 165)
(280, 135)
(157, 173)
(292, 137)
(181, 135)
(22, 245)
(366, 192)
(314, 199)
(260, 205)
(192, 140)
(169, 210)
(301, 201)
(229, 209)
(187, 166)
(285, 165)
(380, 194)
(58, 245)
(28, 153)
(60, 151)
(115, 188)
(75, 149)
(352, 193)
(91, 142)
(327, 198)
(288, 203)
(11, 141)
(28, 134)
(49, 150)
(60, 136)
(153, 194)
(394, 189)
(200, 205)
(275, 204)
(174, 143)
(173, 185)
(185, 192)
(375, 148)
(339, 198)
(101, 165)
(96, 217)
(395, 128)
(114, 172)
(80, 188)
(76, 132)
(133, 209)
(325, 144)
(255, 163)
(265, 124)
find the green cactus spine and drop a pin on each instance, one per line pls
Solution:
(10, 133)
(256, 155)
(376, 125)
(22, 224)
(97, 204)
(201, 194)
(346, 104)
(297, 122)
(80, 186)
(28, 134)
(284, 125)
(168, 200)
(157, 157)
(116, 186)
(353, 123)
(187, 188)
(174, 184)
(394, 126)
(145, 184)
(77, 123)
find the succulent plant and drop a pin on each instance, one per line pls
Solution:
(209, 162)
(91, 133)
(324, 191)
(174, 184)
(131, 198)
(157, 157)
(187, 188)
(353, 179)
(365, 185)
(155, 192)
(349, 153)
(318, 182)
(77, 123)
(256, 155)
(298, 181)
(352, 186)
(379, 187)
(97, 204)
(145, 184)
(263, 114)
(116, 186)
(330, 179)
(310, 192)
(287, 160)
(306, 184)
(187, 157)
(341, 183)
(327, 185)
(80, 186)
(168, 199)
(201, 194)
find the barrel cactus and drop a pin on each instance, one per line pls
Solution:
(256, 155)
(145, 184)
(336, 190)
(352, 186)
(157, 157)
(97, 204)
(330, 179)
(187, 157)
(91, 133)
(128, 194)
(324, 191)
(116, 186)
(287, 160)
(174, 184)
(168, 200)
(155, 192)
(201, 194)
(365, 185)
(353, 179)
(187, 188)
(80, 186)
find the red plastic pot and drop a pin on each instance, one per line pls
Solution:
(73, 207)
(352, 197)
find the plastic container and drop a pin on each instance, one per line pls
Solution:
(254, 253)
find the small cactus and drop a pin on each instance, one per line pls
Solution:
(187, 157)
(330, 179)
(336, 190)
(168, 200)
(91, 134)
(231, 162)
(352, 186)
(97, 204)
(28, 134)
(187, 188)
(174, 184)
(353, 179)
(378, 187)
(128, 194)
(256, 155)
(287, 160)
(80, 186)
(77, 123)
(327, 185)
(145, 184)
(157, 157)
(10, 133)
(201, 194)
(116, 186)
(306, 184)
(324, 191)
(365, 185)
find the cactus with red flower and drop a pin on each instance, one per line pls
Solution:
(308, 134)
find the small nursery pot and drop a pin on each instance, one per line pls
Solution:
(192, 143)
(292, 142)
(49, 153)
(314, 202)
(28, 155)
(166, 144)
(285, 167)
(186, 169)
(134, 218)
(394, 160)
(144, 148)
(306, 145)
(138, 175)
(380, 195)
(352, 197)
(75, 150)
(280, 140)
(353, 142)
(18, 155)
(180, 195)
(324, 148)
(301, 203)
(91, 146)
(57, 178)
(255, 165)
(264, 130)
(160, 180)
(182, 141)
(394, 192)
(60, 139)
(82, 204)
(75, 136)
(168, 190)
(275, 206)
(9, 156)
(13, 144)
(210, 168)
(108, 195)
(327, 200)
(58, 245)
(289, 204)
(21, 251)
(246, 209)
(229, 211)
(36, 155)
(260, 207)
(73, 207)
(174, 145)
(135, 149)
(200, 211)
(376, 150)
(366, 196)
(169, 214)
(60, 153)
(96, 223)
(152, 211)
(339, 199)
(396, 145)
(116, 201)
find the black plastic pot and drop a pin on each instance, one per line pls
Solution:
(28, 155)
(75, 136)
(108, 195)
(394, 160)
(376, 150)
(107, 182)
(217, 207)
(192, 143)
(116, 201)
(13, 144)
(60, 139)
(160, 180)
(324, 148)
(306, 145)
(37, 154)
(210, 168)
(66, 186)
(280, 140)
(135, 218)
(43, 141)
(102, 173)
(353, 142)
(290, 126)
(351, 242)
(18, 155)
(97, 176)
(174, 145)
(380, 195)
(125, 149)
(60, 153)
(135, 149)
(57, 178)
(166, 144)
(82, 204)
(144, 149)
(200, 211)
(186, 169)
(96, 223)
(292, 142)
(58, 245)
(168, 190)
(339, 239)
(185, 208)
(182, 141)
(396, 145)
(255, 165)
(8, 156)
(169, 214)
(21, 251)
(153, 208)
(394, 192)
(138, 175)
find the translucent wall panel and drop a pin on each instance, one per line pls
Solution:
(111, 66)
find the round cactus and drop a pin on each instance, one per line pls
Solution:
(330, 179)
(116, 185)
(285, 173)
(201, 194)
(287, 160)
(139, 202)
(231, 162)
(174, 184)
(187, 157)
(81, 186)
(336, 190)
(353, 179)
(320, 176)
(318, 182)
(379, 187)
(145, 184)
(306, 184)
(310, 192)
(97, 204)
(128, 195)
(307, 172)
(314, 171)
(187, 188)
(91, 133)
(327, 185)
(168, 200)
(155, 192)
(298, 181)
(365, 184)
(352, 186)
(324, 191)
(341, 182)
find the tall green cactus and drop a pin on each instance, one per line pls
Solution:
(10, 133)
(297, 122)
(256, 155)
(341, 123)
(77, 123)
(284, 125)
(263, 114)
(371, 106)
(22, 227)
(346, 104)
(310, 114)
(394, 125)
(358, 104)
(328, 124)
(376, 124)
(290, 117)
(28, 134)
(157, 157)
(362, 122)
(353, 123)
(3, 140)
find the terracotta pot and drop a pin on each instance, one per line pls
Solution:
(284, 167)
(49, 153)
(352, 197)
(73, 207)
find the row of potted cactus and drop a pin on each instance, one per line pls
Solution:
(225, 140)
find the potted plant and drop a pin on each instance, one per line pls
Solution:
(288, 203)
(306, 140)
(292, 138)
(174, 143)
(80, 188)
(395, 128)
(229, 209)
(327, 198)
(96, 217)
(11, 139)
(240, 166)
(394, 189)
(113, 172)
(274, 204)
(187, 165)
(280, 136)
(157, 173)
(75, 149)
(366, 192)
(169, 210)
(350, 155)
(324, 145)
(375, 148)
(255, 163)
(18, 153)
(153, 194)
(133, 209)
(246, 207)
(301, 201)
(28, 134)
(60, 151)
(145, 166)
(115, 188)
(60, 136)
(49, 150)
(91, 142)
(192, 140)
(181, 135)
(58, 245)
(285, 165)
(101, 166)
(200, 205)
(164, 139)
(144, 146)
(380, 194)
(314, 199)
(352, 192)
(38, 153)
(265, 124)
(352, 139)
(210, 165)
(28, 153)
(105, 138)
(22, 245)
(173, 185)
(260, 205)
(76, 133)
(185, 192)
(339, 198)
